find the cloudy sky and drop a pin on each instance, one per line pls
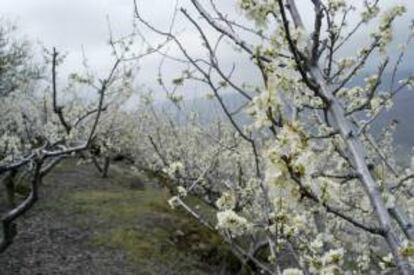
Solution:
(72, 24)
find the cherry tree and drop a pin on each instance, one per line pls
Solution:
(325, 188)
(40, 127)
(17, 67)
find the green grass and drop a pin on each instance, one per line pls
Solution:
(153, 236)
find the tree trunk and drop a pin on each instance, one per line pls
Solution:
(10, 188)
(106, 167)
(96, 163)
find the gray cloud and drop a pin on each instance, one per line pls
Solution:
(70, 24)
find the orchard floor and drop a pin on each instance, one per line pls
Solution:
(84, 224)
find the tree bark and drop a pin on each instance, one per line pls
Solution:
(10, 188)
(105, 171)
(357, 153)
(9, 227)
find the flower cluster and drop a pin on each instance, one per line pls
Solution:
(227, 201)
(384, 33)
(174, 168)
(292, 271)
(235, 224)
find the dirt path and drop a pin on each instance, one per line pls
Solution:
(122, 225)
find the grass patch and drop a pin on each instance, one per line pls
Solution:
(117, 204)
(153, 236)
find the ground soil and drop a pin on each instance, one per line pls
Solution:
(84, 224)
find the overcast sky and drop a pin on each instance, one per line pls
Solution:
(71, 24)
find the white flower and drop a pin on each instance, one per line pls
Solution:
(317, 244)
(292, 271)
(174, 202)
(330, 270)
(370, 13)
(229, 220)
(384, 34)
(335, 5)
(364, 261)
(386, 261)
(182, 192)
(290, 141)
(389, 200)
(333, 257)
(174, 168)
(227, 201)
(346, 62)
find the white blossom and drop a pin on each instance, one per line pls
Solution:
(292, 271)
(229, 220)
(227, 201)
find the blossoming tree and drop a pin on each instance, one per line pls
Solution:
(39, 127)
(324, 189)
(16, 67)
